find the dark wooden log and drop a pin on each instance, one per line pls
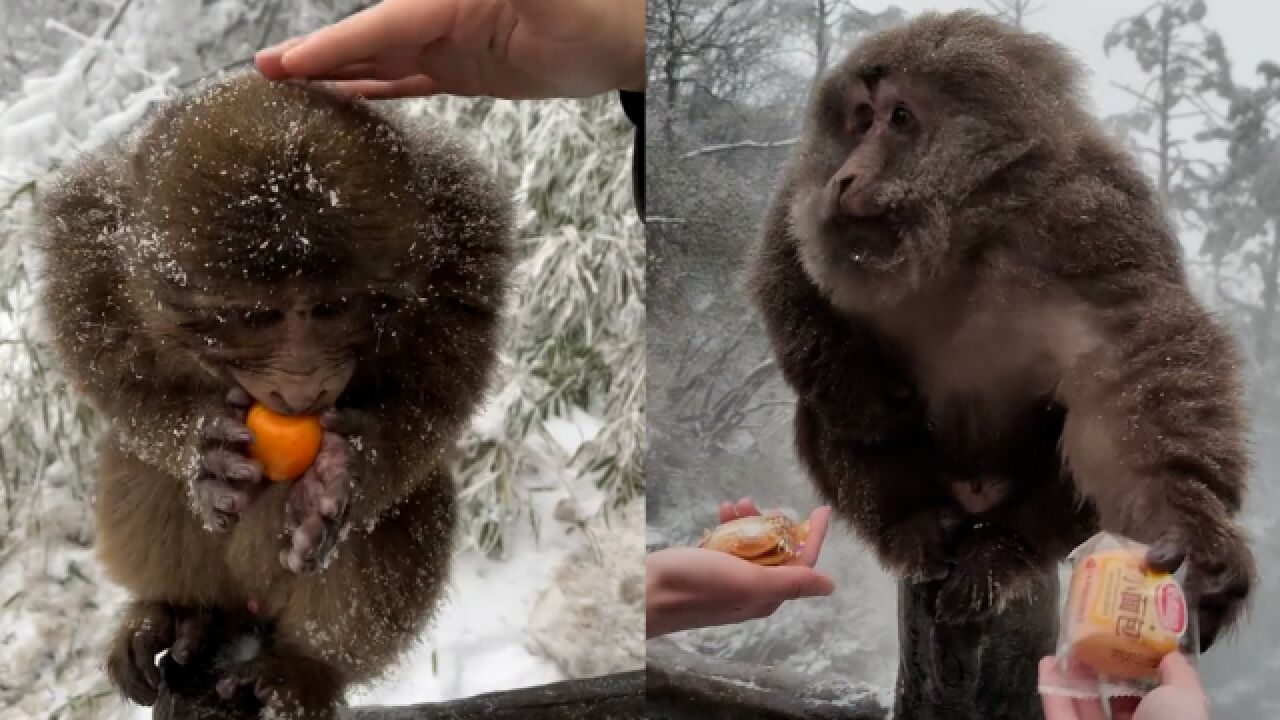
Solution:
(983, 671)
(687, 686)
(188, 694)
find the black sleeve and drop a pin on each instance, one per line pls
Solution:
(633, 106)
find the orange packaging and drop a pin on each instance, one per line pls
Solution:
(1121, 619)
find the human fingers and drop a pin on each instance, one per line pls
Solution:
(386, 26)
(817, 532)
(746, 507)
(726, 512)
(1169, 702)
(268, 59)
(1056, 707)
(412, 86)
(1176, 671)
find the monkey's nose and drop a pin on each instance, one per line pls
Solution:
(840, 196)
(298, 402)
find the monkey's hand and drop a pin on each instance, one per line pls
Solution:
(148, 629)
(319, 502)
(227, 479)
(1220, 576)
(990, 567)
(916, 547)
(289, 684)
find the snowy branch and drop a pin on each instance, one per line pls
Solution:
(745, 144)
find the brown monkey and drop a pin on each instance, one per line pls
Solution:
(283, 244)
(984, 316)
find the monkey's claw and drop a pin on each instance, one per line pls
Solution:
(1219, 579)
(227, 480)
(318, 506)
(150, 629)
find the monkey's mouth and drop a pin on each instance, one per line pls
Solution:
(874, 241)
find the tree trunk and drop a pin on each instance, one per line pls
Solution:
(188, 695)
(984, 671)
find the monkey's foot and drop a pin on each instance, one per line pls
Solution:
(288, 684)
(990, 568)
(1220, 577)
(319, 502)
(149, 629)
(916, 548)
(228, 480)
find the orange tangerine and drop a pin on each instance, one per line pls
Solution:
(284, 444)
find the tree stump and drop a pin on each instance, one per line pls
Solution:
(981, 671)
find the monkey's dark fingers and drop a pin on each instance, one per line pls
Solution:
(220, 499)
(189, 634)
(234, 466)
(1168, 552)
(225, 432)
(132, 665)
(239, 399)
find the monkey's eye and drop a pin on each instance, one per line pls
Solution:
(900, 118)
(260, 318)
(332, 309)
(383, 304)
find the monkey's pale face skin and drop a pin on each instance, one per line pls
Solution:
(857, 214)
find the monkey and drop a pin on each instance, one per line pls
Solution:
(286, 245)
(985, 320)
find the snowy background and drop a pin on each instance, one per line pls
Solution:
(549, 577)
(728, 82)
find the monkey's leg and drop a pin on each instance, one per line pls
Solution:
(890, 492)
(998, 556)
(360, 612)
(148, 629)
(1154, 435)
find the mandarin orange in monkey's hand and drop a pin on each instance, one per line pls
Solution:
(286, 445)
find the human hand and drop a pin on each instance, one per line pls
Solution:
(1179, 697)
(694, 587)
(502, 48)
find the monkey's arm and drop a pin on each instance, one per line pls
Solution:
(153, 405)
(859, 428)
(1155, 436)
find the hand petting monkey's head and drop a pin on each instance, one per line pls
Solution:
(284, 236)
(916, 142)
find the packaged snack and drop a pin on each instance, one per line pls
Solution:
(1121, 618)
(761, 539)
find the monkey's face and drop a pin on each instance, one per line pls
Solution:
(888, 167)
(293, 351)
(858, 209)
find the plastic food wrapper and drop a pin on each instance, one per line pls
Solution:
(1121, 619)
(761, 539)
